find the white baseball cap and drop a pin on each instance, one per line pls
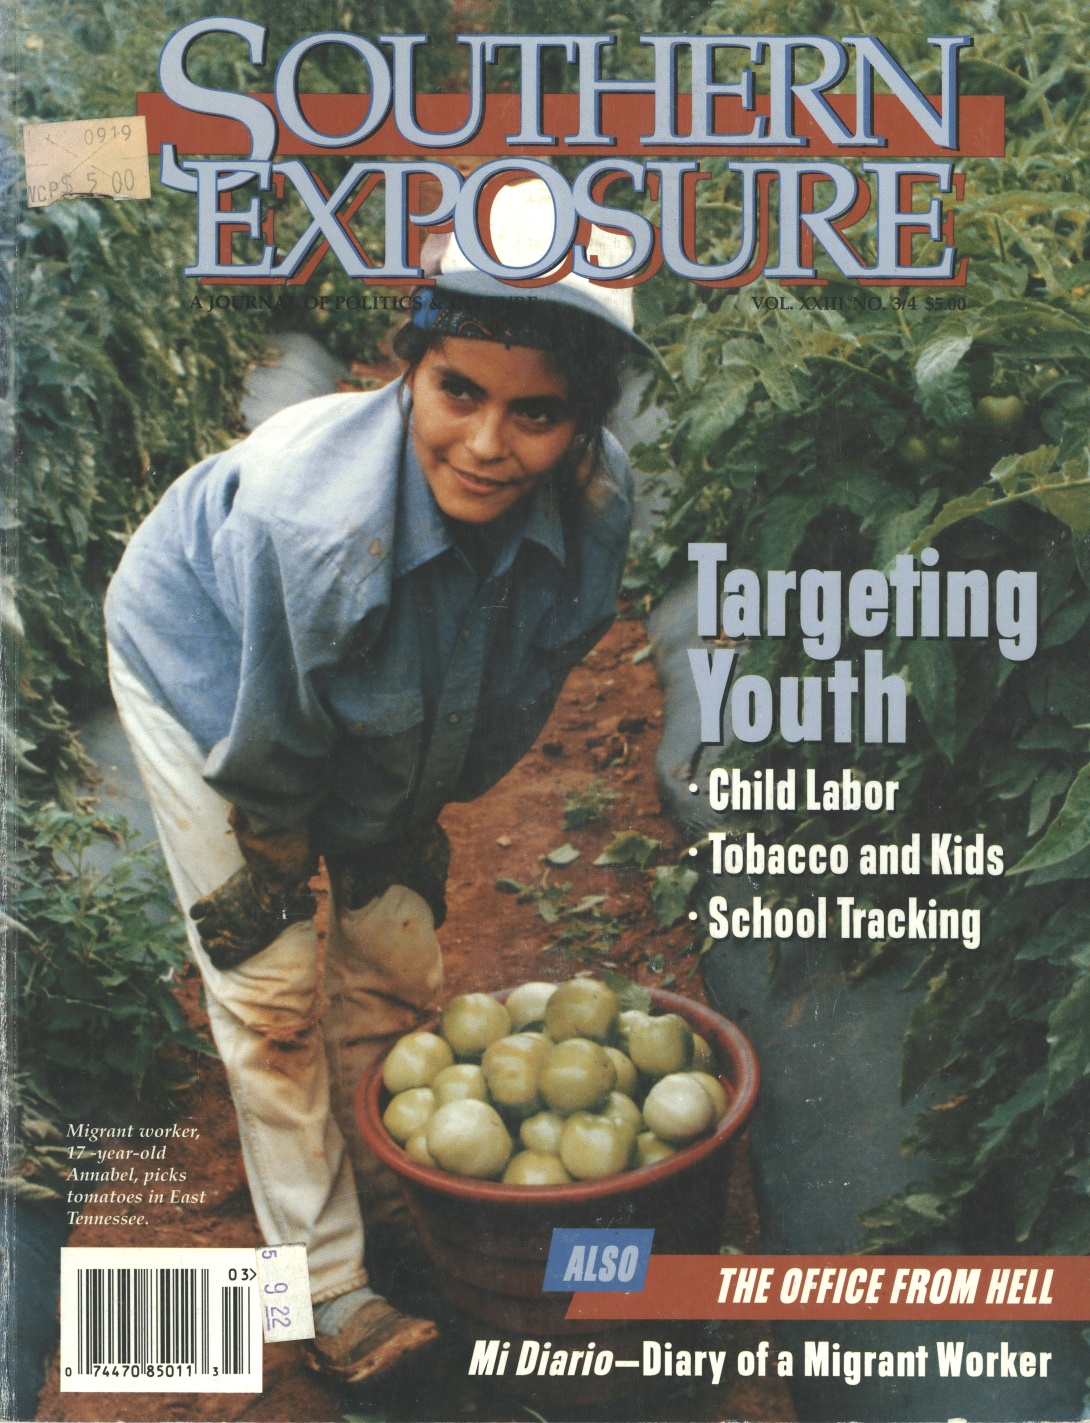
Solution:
(522, 221)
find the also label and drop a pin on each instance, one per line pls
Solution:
(598, 1260)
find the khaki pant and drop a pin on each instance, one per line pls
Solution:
(296, 1024)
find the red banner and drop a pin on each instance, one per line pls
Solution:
(1041, 1287)
(624, 116)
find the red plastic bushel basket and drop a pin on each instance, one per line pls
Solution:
(489, 1242)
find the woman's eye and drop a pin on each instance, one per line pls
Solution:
(540, 416)
(455, 388)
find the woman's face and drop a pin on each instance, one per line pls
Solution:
(490, 422)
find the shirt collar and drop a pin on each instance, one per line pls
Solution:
(422, 533)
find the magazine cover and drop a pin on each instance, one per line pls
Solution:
(546, 597)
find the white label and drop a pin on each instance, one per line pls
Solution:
(144, 1320)
(105, 158)
(285, 1292)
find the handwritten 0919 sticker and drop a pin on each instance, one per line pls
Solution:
(106, 158)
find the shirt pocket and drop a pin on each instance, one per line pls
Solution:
(373, 714)
(378, 756)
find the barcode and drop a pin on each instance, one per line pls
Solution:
(160, 1323)
(235, 1336)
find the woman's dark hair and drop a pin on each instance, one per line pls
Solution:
(586, 352)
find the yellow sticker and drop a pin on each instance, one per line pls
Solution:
(106, 158)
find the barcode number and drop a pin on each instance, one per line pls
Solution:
(159, 1325)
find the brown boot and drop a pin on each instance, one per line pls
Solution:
(373, 1341)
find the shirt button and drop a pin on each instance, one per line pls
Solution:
(454, 719)
(439, 785)
(465, 635)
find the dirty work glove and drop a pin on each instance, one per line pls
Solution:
(418, 859)
(247, 912)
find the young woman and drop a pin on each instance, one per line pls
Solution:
(320, 637)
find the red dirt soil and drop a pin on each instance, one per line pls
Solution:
(604, 730)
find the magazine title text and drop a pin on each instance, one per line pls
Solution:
(866, 220)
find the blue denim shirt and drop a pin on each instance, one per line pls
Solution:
(300, 605)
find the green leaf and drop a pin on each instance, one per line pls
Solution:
(670, 893)
(997, 1129)
(784, 524)
(934, 685)
(927, 1205)
(1069, 1039)
(1065, 622)
(939, 358)
(588, 903)
(629, 847)
(562, 855)
(722, 404)
(929, 1040)
(1070, 506)
(1069, 832)
(631, 995)
(1049, 785)
(952, 513)
(1031, 1197)
(587, 805)
(1077, 867)
(511, 886)
(777, 381)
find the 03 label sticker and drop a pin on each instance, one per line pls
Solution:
(147, 1320)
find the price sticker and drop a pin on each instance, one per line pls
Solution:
(104, 158)
(284, 1290)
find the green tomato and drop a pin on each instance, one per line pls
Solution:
(649, 1149)
(455, 1084)
(468, 1138)
(678, 1109)
(472, 1021)
(624, 1113)
(715, 1090)
(592, 1146)
(627, 1076)
(414, 1060)
(577, 1076)
(914, 451)
(703, 1057)
(949, 445)
(416, 1149)
(661, 1045)
(408, 1113)
(536, 1168)
(541, 1133)
(526, 1004)
(511, 1067)
(581, 1008)
(1001, 412)
(626, 1021)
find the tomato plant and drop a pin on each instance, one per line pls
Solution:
(838, 435)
